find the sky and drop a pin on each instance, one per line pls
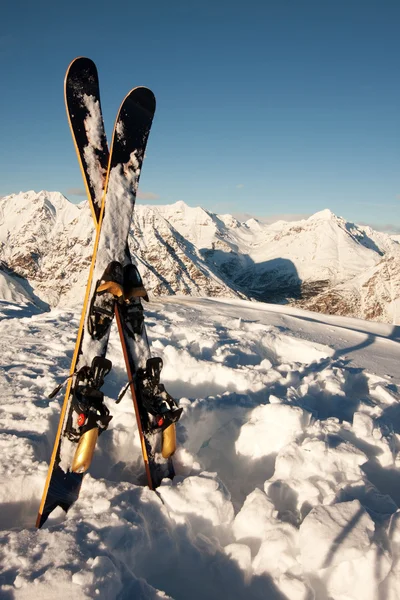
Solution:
(264, 107)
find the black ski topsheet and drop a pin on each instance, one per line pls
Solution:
(130, 135)
(82, 100)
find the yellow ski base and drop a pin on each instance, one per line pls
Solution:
(169, 441)
(85, 450)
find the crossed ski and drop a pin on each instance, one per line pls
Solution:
(111, 180)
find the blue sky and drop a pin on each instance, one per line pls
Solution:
(263, 107)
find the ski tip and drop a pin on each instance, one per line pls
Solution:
(142, 97)
(78, 67)
(80, 61)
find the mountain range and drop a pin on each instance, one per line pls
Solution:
(322, 263)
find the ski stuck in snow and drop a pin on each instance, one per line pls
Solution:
(114, 287)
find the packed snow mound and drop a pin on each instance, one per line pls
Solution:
(270, 428)
(286, 480)
(323, 263)
(324, 524)
(337, 541)
(202, 495)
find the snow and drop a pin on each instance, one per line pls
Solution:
(322, 215)
(330, 535)
(94, 130)
(337, 541)
(287, 480)
(93, 122)
(270, 428)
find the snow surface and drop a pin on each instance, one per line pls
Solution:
(287, 481)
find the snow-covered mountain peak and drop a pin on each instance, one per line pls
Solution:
(180, 205)
(31, 199)
(253, 224)
(30, 211)
(323, 215)
(181, 211)
(57, 199)
(194, 223)
(228, 220)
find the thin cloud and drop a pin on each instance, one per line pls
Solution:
(240, 186)
(383, 228)
(272, 218)
(285, 217)
(378, 204)
(76, 192)
(147, 195)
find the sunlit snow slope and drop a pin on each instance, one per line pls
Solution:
(288, 481)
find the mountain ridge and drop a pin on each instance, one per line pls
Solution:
(321, 263)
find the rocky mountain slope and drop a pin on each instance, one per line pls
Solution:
(322, 263)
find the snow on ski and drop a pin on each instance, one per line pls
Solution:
(82, 100)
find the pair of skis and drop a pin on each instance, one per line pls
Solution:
(114, 288)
